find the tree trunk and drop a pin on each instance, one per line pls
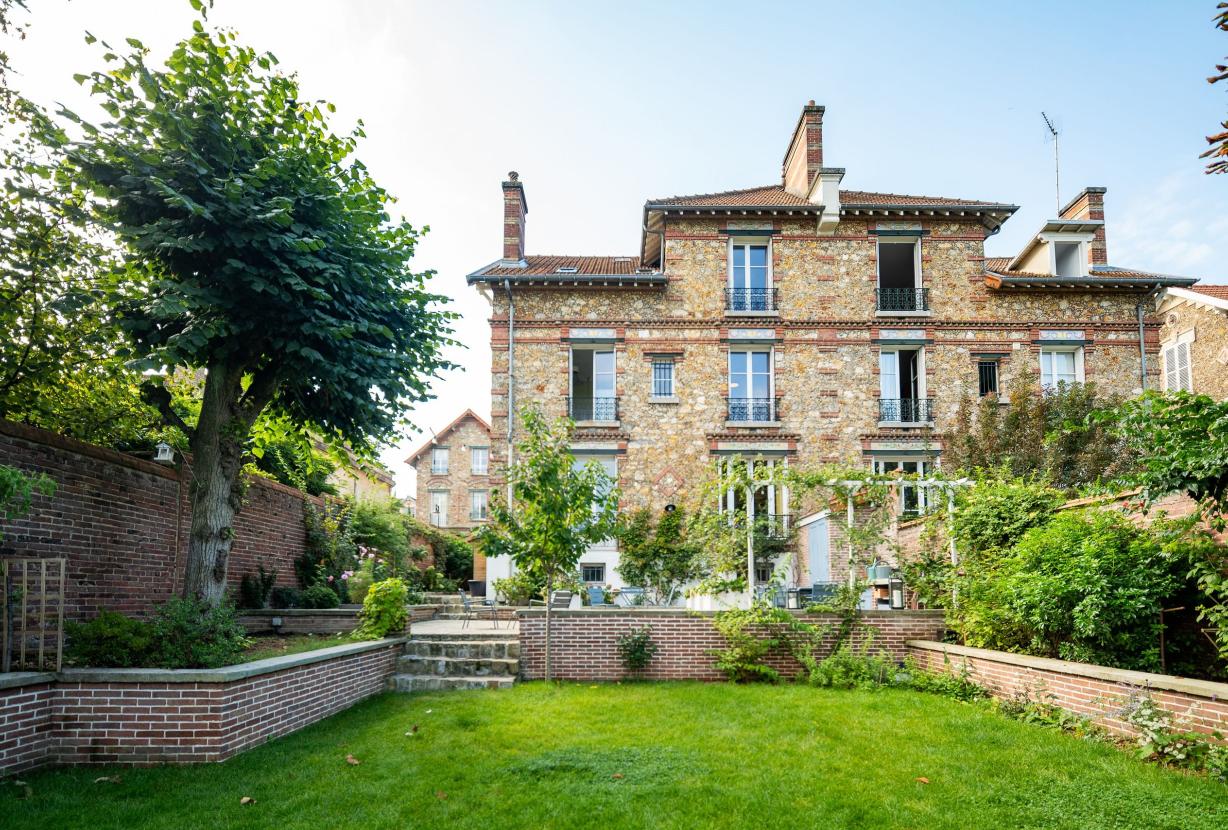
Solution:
(549, 592)
(217, 446)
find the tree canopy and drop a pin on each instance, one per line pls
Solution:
(259, 251)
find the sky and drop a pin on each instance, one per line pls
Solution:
(600, 106)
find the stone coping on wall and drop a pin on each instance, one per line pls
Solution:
(345, 611)
(649, 612)
(1164, 682)
(223, 674)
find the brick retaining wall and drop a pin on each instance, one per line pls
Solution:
(1094, 691)
(139, 716)
(584, 641)
(123, 521)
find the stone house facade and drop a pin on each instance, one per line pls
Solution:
(1194, 339)
(454, 477)
(801, 323)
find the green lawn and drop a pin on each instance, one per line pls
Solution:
(274, 645)
(680, 755)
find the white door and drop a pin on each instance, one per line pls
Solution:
(889, 375)
(603, 387)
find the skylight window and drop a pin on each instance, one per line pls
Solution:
(566, 269)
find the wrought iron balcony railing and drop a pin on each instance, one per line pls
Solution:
(750, 299)
(752, 409)
(906, 410)
(903, 299)
(589, 408)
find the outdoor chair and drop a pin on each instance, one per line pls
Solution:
(596, 597)
(470, 610)
(823, 591)
(559, 600)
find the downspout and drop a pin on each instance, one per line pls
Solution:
(511, 365)
(1142, 343)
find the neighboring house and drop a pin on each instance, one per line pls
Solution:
(409, 506)
(800, 323)
(1194, 339)
(363, 481)
(454, 477)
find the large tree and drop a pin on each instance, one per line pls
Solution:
(558, 508)
(1219, 141)
(266, 258)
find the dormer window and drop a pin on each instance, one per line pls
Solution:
(1069, 260)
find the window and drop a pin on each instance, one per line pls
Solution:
(439, 461)
(439, 508)
(593, 573)
(987, 377)
(663, 378)
(901, 380)
(750, 386)
(609, 463)
(1177, 372)
(766, 503)
(899, 275)
(592, 385)
(1060, 365)
(478, 503)
(479, 460)
(1068, 259)
(914, 499)
(749, 278)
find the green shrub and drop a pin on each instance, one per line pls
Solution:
(854, 667)
(383, 610)
(108, 640)
(254, 589)
(188, 634)
(319, 596)
(1088, 586)
(636, 648)
(361, 580)
(283, 597)
(994, 513)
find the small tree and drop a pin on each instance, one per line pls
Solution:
(263, 253)
(558, 509)
(657, 555)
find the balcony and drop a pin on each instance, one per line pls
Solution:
(478, 516)
(903, 300)
(751, 411)
(906, 410)
(750, 301)
(588, 408)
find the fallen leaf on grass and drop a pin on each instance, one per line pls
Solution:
(27, 790)
(440, 794)
(352, 761)
(247, 799)
(922, 780)
(617, 775)
(107, 779)
(428, 711)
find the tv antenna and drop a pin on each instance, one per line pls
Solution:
(1057, 165)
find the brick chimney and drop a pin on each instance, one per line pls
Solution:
(804, 158)
(514, 209)
(1089, 204)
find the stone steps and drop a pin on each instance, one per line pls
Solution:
(458, 666)
(464, 649)
(434, 683)
(465, 660)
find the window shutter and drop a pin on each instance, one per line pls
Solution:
(1170, 368)
(1183, 367)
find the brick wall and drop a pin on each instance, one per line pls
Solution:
(25, 724)
(1097, 692)
(122, 522)
(584, 642)
(98, 717)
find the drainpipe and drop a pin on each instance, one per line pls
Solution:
(511, 364)
(1142, 344)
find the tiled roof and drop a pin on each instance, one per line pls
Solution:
(776, 196)
(1100, 276)
(542, 264)
(1220, 292)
